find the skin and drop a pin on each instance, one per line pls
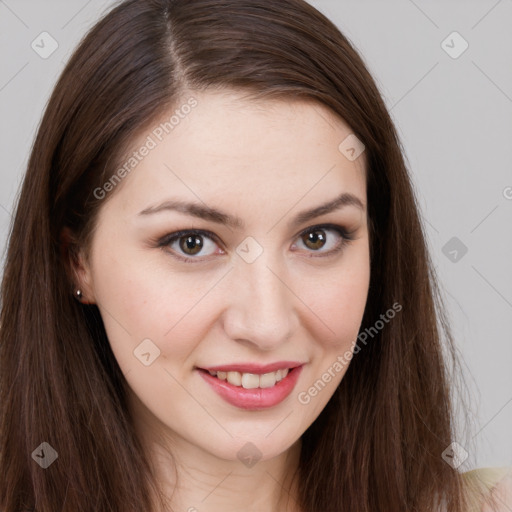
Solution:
(263, 161)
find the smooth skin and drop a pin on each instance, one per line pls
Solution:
(264, 162)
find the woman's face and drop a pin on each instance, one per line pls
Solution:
(273, 290)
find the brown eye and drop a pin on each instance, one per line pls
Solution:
(191, 245)
(324, 240)
(314, 239)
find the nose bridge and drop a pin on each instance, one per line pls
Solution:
(262, 309)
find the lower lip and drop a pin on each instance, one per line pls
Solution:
(253, 399)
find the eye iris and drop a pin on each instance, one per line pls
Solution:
(192, 243)
(315, 237)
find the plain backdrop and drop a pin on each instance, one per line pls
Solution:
(444, 69)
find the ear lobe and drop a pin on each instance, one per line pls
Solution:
(76, 269)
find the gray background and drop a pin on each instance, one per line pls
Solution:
(454, 117)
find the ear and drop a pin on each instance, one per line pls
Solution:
(76, 267)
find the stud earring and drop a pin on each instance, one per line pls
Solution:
(79, 295)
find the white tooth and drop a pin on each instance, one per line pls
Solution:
(212, 373)
(267, 380)
(221, 375)
(284, 373)
(278, 376)
(250, 381)
(234, 378)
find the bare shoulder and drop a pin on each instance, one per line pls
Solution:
(490, 488)
(501, 494)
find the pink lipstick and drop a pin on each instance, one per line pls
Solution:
(252, 386)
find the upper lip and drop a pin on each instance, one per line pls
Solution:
(258, 369)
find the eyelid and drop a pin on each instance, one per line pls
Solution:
(342, 230)
(192, 231)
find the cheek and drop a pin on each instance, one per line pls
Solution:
(139, 302)
(337, 301)
(338, 306)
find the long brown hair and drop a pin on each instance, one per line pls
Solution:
(378, 443)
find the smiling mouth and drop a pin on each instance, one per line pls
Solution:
(251, 380)
(253, 391)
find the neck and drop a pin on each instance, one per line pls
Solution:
(195, 481)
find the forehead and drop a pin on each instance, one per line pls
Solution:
(277, 150)
(256, 123)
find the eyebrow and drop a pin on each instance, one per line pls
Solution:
(214, 215)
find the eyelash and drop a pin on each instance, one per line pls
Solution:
(346, 236)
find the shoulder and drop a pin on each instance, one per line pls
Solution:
(489, 489)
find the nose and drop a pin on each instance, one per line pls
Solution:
(262, 307)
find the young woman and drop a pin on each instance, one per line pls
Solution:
(217, 293)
